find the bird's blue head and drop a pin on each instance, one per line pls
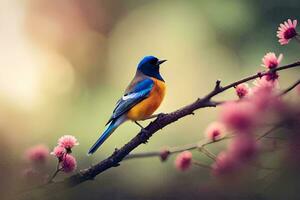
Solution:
(149, 66)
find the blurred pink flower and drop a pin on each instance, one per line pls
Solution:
(272, 76)
(67, 141)
(270, 60)
(243, 148)
(68, 163)
(242, 90)
(264, 89)
(215, 131)
(287, 31)
(224, 164)
(37, 154)
(264, 94)
(240, 116)
(164, 154)
(263, 82)
(58, 151)
(183, 161)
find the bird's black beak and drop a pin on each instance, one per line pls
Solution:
(161, 61)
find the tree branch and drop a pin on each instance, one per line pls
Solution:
(160, 122)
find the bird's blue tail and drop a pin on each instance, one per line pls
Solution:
(110, 128)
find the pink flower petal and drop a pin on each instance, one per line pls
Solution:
(286, 31)
(183, 161)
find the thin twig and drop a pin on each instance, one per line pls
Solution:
(201, 164)
(207, 153)
(174, 150)
(259, 166)
(55, 172)
(268, 132)
(54, 175)
(275, 138)
(290, 88)
(215, 141)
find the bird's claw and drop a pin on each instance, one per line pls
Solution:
(144, 137)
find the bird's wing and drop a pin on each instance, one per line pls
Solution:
(136, 94)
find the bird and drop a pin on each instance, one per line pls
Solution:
(141, 98)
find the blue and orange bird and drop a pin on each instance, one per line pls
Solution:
(142, 97)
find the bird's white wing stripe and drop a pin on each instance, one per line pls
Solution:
(136, 94)
(130, 96)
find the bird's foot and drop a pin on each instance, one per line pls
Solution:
(144, 135)
(139, 124)
(143, 131)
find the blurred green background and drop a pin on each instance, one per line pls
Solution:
(65, 63)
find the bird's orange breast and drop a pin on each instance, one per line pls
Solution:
(148, 106)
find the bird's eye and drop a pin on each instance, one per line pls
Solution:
(153, 61)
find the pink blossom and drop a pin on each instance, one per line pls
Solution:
(264, 100)
(265, 94)
(287, 31)
(67, 141)
(164, 154)
(183, 160)
(243, 148)
(215, 131)
(224, 164)
(239, 116)
(272, 76)
(68, 163)
(242, 90)
(58, 151)
(265, 85)
(270, 60)
(37, 154)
